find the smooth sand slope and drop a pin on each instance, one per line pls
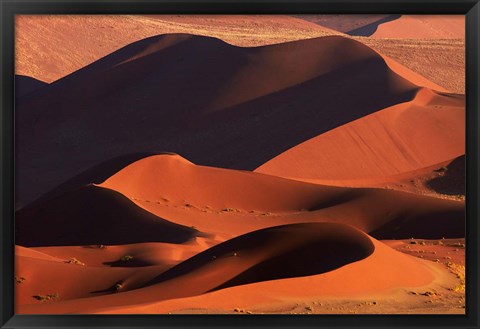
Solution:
(385, 144)
(49, 47)
(123, 104)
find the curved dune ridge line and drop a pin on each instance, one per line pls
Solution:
(99, 35)
(423, 27)
(396, 140)
(90, 216)
(209, 99)
(269, 252)
(173, 188)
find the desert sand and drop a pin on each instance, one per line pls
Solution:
(237, 165)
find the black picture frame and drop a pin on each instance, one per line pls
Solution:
(10, 8)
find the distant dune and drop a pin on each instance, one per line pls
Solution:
(49, 47)
(423, 27)
(394, 26)
(434, 46)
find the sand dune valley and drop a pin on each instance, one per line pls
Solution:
(240, 164)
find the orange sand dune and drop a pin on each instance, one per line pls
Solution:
(274, 253)
(423, 27)
(404, 138)
(225, 106)
(173, 188)
(49, 47)
(92, 216)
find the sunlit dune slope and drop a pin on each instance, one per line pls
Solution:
(191, 195)
(400, 139)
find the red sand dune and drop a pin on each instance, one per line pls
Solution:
(190, 195)
(271, 254)
(400, 139)
(235, 113)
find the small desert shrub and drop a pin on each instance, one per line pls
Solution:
(74, 261)
(230, 210)
(46, 298)
(442, 169)
(20, 279)
(126, 258)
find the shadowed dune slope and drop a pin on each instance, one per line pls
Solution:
(93, 175)
(93, 215)
(392, 270)
(220, 105)
(25, 85)
(275, 253)
(158, 181)
(407, 137)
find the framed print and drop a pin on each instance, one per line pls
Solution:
(231, 164)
